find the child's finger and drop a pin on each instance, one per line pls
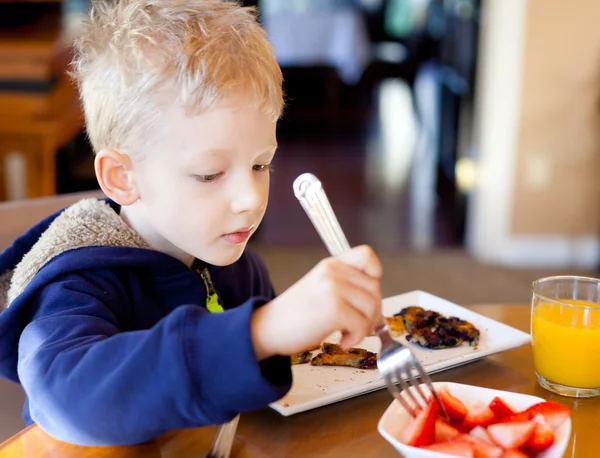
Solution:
(351, 275)
(348, 340)
(363, 258)
(354, 327)
(368, 303)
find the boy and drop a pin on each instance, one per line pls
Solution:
(105, 320)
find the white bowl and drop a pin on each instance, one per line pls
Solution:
(395, 419)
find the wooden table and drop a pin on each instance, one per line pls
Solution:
(346, 429)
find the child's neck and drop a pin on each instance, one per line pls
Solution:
(133, 218)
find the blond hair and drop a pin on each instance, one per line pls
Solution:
(195, 51)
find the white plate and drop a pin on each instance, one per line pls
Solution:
(317, 386)
(395, 419)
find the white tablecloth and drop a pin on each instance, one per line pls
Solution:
(335, 38)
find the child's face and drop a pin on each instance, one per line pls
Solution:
(204, 182)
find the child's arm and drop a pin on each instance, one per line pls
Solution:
(340, 293)
(88, 383)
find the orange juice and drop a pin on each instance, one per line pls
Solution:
(566, 343)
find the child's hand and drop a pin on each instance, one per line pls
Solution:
(341, 293)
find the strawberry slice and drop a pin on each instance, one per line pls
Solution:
(484, 450)
(481, 434)
(542, 437)
(514, 454)
(479, 415)
(511, 435)
(554, 413)
(516, 418)
(453, 447)
(444, 432)
(421, 431)
(454, 407)
(500, 408)
(460, 426)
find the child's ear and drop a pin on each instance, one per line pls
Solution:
(114, 174)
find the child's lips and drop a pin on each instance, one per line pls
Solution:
(239, 236)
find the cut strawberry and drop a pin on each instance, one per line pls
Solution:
(454, 407)
(453, 447)
(460, 426)
(481, 434)
(514, 454)
(539, 419)
(554, 413)
(542, 437)
(511, 435)
(482, 448)
(421, 431)
(485, 450)
(516, 418)
(479, 415)
(444, 432)
(500, 408)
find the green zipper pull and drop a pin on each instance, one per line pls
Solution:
(212, 300)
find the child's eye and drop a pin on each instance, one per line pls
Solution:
(262, 168)
(207, 178)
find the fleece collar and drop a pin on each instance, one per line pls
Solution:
(89, 222)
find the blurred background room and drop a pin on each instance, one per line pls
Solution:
(460, 138)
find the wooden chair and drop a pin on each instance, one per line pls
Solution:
(15, 218)
(37, 139)
(39, 105)
(18, 216)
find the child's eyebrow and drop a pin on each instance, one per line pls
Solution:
(201, 156)
(221, 151)
(214, 152)
(271, 149)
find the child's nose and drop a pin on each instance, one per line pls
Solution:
(248, 196)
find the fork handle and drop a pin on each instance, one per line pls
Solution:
(223, 440)
(309, 191)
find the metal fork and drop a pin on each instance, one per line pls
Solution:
(396, 362)
(223, 441)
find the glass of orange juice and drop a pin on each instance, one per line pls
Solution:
(565, 332)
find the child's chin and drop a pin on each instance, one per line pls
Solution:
(227, 256)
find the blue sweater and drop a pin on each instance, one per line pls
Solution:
(111, 340)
